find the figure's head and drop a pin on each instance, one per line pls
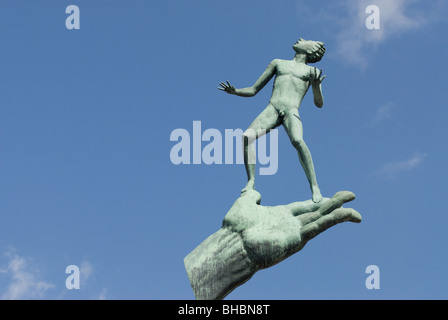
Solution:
(314, 50)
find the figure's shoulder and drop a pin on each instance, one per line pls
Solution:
(311, 69)
(278, 61)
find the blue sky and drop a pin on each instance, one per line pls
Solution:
(85, 123)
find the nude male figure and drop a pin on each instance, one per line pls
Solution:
(292, 81)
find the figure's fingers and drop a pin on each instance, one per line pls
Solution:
(344, 214)
(222, 84)
(322, 79)
(320, 74)
(339, 215)
(336, 201)
(222, 89)
(303, 207)
(229, 84)
(309, 217)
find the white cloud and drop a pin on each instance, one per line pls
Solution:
(354, 43)
(86, 271)
(25, 282)
(102, 295)
(392, 169)
(383, 112)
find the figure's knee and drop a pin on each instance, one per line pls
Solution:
(298, 143)
(249, 136)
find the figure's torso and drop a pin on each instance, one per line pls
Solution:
(290, 85)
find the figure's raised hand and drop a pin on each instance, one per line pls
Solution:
(316, 77)
(227, 87)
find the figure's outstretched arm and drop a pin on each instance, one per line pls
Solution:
(316, 81)
(251, 91)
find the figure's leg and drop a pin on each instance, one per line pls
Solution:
(266, 121)
(294, 129)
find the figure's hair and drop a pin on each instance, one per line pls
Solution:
(315, 51)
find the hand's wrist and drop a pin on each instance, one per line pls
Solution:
(218, 265)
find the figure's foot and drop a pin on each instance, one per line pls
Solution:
(317, 196)
(249, 186)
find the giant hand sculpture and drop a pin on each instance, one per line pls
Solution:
(255, 237)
